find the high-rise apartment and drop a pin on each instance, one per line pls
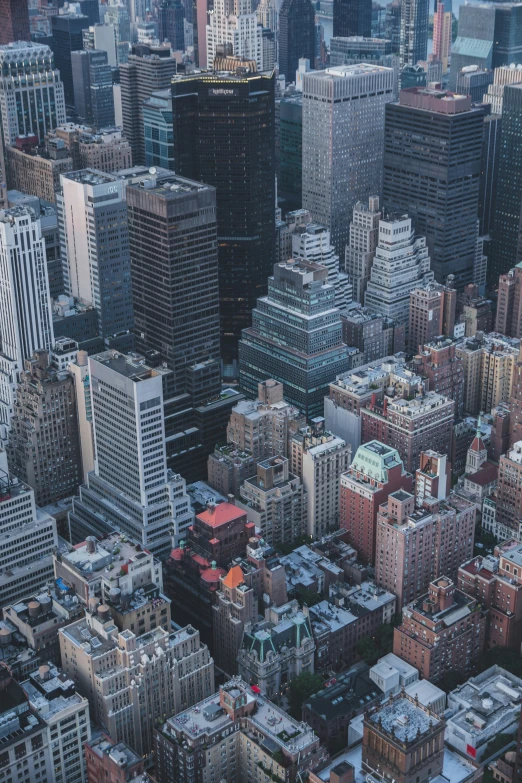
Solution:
(439, 362)
(297, 36)
(341, 167)
(95, 248)
(509, 304)
(515, 402)
(149, 69)
(352, 18)
(376, 471)
(362, 242)
(31, 91)
(93, 94)
(446, 212)
(27, 540)
(432, 313)
(400, 265)
(43, 443)
(505, 246)
(509, 501)
(413, 37)
(489, 365)
(25, 303)
(15, 21)
(138, 494)
(67, 37)
(132, 680)
(295, 336)
(224, 136)
(36, 169)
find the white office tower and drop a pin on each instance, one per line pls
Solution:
(268, 15)
(25, 302)
(27, 540)
(312, 243)
(233, 24)
(343, 142)
(503, 77)
(360, 250)
(401, 263)
(130, 489)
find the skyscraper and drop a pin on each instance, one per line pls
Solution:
(15, 21)
(171, 18)
(360, 250)
(25, 303)
(157, 129)
(130, 482)
(149, 69)
(175, 279)
(505, 251)
(413, 43)
(295, 336)
(443, 208)
(343, 141)
(233, 25)
(352, 17)
(312, 243)
(31, 91)
(67, 36)
(442, 34)
(93, 94)
(401, 264)
(296, 35)
(290, 148)
(95, 249)
(224, 136)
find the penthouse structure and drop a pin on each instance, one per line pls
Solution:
(376, 471)
(416, 545)
(125, 676)
(411, 426)
(261, 740)
(442, 631)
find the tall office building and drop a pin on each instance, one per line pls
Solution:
(362, 242)
(296, 35)
(233, 25)
(505, 249)
(446, 210)
(67, 37)
(413, 40)
(295, 336)
(93, 94)
(181, 322)
(31, 91)
(118, 17)
(352, 17)
(401, 264)
(289, 155)
(15, 21)
(157, 130)
(149, 69)
(44, 449)
(489, 176)
(27, 540)
(442, 34)
(343, 141)
(224, 136)
(95, 248)
(25, 303)
(130, 489)
(171, 24)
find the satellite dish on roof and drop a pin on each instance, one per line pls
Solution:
(152, 170)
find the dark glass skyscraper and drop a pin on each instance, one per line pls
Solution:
(67, 37)
(224, 136)
(432, 162)
(171, 16)
(352, 17)
(93, 94)
(413, 39)
(296, 35)
(506, 231)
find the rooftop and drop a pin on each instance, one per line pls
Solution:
(403, 718)
(221, 514)
(350, 692)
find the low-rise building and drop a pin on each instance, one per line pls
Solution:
(442, 631)
(481, 709)
(308, 569)
(392, 674)
(132, 681)
(107, 759)
(235, 735)
(228, 467)
(277, 649)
